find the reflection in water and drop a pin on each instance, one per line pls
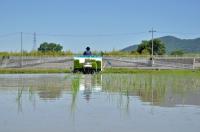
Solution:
(90, 84)
(19, 96)
(114, 102)
(162, 90)
(86, 84)
(157, 89)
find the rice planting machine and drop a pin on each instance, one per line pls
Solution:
(87, 64)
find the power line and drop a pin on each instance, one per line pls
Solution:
(178, 33)
(8, 35)
(87, 35)
(94, 35)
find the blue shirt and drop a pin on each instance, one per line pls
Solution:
(87, 52)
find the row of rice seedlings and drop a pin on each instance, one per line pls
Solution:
(143, 85)
(75, 84)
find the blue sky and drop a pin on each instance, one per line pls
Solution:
(100, 24)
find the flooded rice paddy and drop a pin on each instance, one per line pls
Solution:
(99, 103)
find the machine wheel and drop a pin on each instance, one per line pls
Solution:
(76, 71)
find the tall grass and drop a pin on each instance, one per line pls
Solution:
(37, 53)
(150, 71)
(31, 71)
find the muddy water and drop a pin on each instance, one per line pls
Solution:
(99, 103)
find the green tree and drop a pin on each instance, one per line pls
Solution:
(143, 46)
(158, 47)
(145, 52)
(53, 47)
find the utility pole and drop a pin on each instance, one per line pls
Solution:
(21, 64)
(34, 42)
(152, 31)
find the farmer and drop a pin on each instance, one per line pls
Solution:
(87, 52)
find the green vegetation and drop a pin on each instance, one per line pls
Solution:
(143, 49)
(106, 70)
(96, 65)
(120, 53)
(30, 71)
(75, 89)
(77, 64)
(172, 43)
(148, 71)
(146, 47)
(37, 53)
(177, 52)
(186, 45)
(116, 53)
(53, 47)
(151, 87)
(45, 49)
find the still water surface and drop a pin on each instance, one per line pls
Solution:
(99, 103)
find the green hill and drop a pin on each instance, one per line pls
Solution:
(173, 43)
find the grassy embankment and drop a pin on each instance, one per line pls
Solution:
(107, 70)
(149, 71)
(31, 71)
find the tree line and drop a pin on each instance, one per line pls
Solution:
(54, 49)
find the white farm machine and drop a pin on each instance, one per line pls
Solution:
(87, 64)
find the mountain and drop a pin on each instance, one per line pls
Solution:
(130, 48)
(173, 43)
